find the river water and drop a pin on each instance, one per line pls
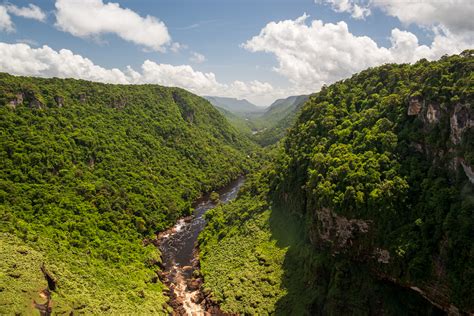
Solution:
(177, 247)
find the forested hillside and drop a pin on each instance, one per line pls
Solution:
(367, 206)
(89, 171)
(280, 116)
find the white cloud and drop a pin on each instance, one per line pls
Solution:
(6, 23)
(27, 41)
(455, 15)
(92, 18)
(175, 47)
(316, 54)
(355, 10)
(30, 12)
(21, 59)
(197, 58)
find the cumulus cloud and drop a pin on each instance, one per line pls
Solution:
(30, 12)
(355, 10)
(176, 47)
(21, 59)
(455, 15)
(313, 54)
(197, 58)
(6, 23)
(92, 18)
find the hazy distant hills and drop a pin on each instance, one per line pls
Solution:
(235, 106)
(269, 124)
(278, 118)
(284, 107)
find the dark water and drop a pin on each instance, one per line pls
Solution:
(177, 248)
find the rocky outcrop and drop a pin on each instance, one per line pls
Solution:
(381, 255)
(468, 170)
(118, 103)
(187, 111)
(18, 100)
(337, 231)
(82, 97)
(461, 119)
(433, 113)
(59, 101)
(414, 106)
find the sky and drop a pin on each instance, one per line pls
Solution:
(259, 50)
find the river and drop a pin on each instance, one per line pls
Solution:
(178, 245)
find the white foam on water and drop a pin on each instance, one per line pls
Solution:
(181, 223)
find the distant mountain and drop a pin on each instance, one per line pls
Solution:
(282, 107)
(235, 106)
(278, 118)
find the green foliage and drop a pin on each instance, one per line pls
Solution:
(240, 260)
(89, 170)
(355, 151)
(280, 116)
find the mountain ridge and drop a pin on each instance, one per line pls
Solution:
(89, 173)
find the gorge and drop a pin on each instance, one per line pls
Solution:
(131, 199)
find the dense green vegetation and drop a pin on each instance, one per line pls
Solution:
(88, 171)
(366, 198)
(243, 125)
(280, 116)
(266, 127)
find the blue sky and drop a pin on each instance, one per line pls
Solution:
(292, 57)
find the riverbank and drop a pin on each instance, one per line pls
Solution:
(180, 259)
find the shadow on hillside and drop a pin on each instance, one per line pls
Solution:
(318, 284)
(288, 231)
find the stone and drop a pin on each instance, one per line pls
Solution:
(468, 171)
(339, 230)
(414, 106)
(433, 113)
(18, 100)
(59, 101)
(382, 255)
(460, 120)
(193, 285)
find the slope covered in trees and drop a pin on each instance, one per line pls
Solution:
(280, 116)
(88, 172)
(366, 208)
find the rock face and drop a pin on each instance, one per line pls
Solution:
(433, 113)
(353, 237)
(186, 109)
(382, 255)
(119, 103)
(18, 100)
(337, 230)
(461, 119)
(468, 170)
(82, 97)
(59, 101)
(414, 106)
